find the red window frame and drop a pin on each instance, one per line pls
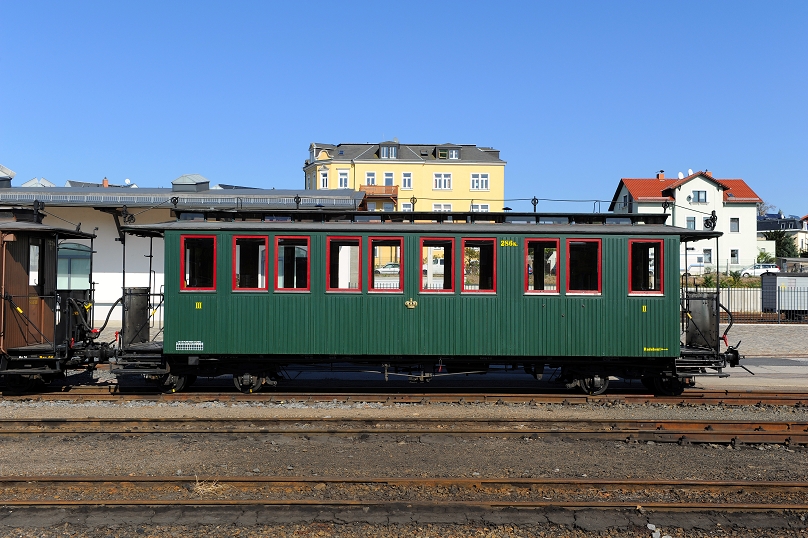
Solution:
(493, 242)
(449, 240)
(183, 285)
(557, 242)
(328, 241)
(599, 242)
(266, 262)
(661, 290)
(307, 239)
(400, 287)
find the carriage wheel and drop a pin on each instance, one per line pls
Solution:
(668, 386)
(18, 383)
(594, 385)
(648, 383)
(248, 383)
(171, 383)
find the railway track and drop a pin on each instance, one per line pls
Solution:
(661, 431)
(694, 397)
(410, 494)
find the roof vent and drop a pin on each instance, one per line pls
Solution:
(424, 152)
(190, 183)
(341, 152)
(6, 175)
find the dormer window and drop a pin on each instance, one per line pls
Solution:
(388, 152)
(448, 153)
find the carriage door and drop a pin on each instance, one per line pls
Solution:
(385, 313)
(31, 320)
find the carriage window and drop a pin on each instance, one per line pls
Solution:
(386, 264)
(541, 262)
(249, 263)
(73, 267)
(479, 265)
(292, 261)
(198, 263)
(344, 263)
(583, 266)
(645, 267)
(33, 262)
(436, 268)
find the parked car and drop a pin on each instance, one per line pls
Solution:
(760, 268)
(388, 269)
(437, 266)
(695, 269)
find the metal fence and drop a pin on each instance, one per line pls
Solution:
(756, 305)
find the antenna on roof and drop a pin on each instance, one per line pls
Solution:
(689, 171)
(681, 175)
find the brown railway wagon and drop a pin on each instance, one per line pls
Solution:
(29, 322)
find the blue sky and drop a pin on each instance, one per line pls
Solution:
(576, 95)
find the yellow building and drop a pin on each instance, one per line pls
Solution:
(407, 177)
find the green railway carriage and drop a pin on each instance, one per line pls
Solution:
(595, 299)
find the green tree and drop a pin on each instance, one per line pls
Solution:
(784, 244)
(765, 257)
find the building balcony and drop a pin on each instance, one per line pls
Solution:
(379, 196)
(380, 191)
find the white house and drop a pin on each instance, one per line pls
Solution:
(692, 201)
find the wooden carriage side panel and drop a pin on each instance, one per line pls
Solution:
(18, 331)
(47, 289)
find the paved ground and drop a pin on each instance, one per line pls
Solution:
(777, 355)
(770, 339)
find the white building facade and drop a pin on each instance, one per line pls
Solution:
(699, 202)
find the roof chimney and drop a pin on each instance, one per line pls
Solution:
(660, 174)
(105, 183)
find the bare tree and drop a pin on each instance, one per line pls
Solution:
(763, 208)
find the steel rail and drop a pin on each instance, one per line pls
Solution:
(477, 486)
(678, 431)
(712, 397)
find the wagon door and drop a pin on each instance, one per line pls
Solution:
(385, 311)
(30, 319)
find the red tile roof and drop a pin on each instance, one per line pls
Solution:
(739, 191)
(660, 190)
(648, 190)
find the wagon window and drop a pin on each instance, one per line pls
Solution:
(250, 263)
(33, 262)
(343, 262)
(292, 263)
(386, 264)
(583, 266)
(198, 263)
(436, 268)
(645, 266)
(541, 263)
(479, 265)
(73, 267)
